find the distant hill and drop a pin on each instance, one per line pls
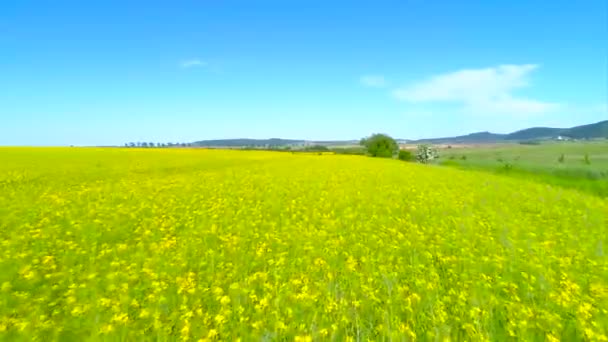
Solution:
(535, 133)
(479, 137)
(592, 131)
(334, 142)
(596, 130)
(274, 142)
(247, 142)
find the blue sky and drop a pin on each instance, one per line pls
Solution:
(110, 72)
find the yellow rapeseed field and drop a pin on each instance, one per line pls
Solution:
(200, 245)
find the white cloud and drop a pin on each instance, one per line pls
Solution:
(374, 81)
(480, 91)
(191, 63)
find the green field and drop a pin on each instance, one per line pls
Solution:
(540, 163)
(210, 245)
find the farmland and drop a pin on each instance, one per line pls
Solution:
(190, 245)
(576, 165)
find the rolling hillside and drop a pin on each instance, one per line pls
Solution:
(596, 130)
(246, 142)
(480, 137)
(535, 133)
(591, 131)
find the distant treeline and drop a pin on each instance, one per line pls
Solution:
(156, 145)
(357, 150)
(314, 148)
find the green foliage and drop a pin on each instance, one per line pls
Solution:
(316, 148)
(405, 155)
(530, 142)
(349, 150)
(581, 174)
(561, 158)
(586, 159)
(380, 145)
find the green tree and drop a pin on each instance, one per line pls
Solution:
(380, 145)
(316, 148)
(405, 155)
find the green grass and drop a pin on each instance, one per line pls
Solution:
(540, 163)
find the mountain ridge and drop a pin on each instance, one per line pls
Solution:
(589, 131)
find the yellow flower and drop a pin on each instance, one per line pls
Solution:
(225, 300)
(106, 329)
(185, 329)
(212, 334)
(220, 319)
(77, 311)
(144, 314)
(305, 338)
(122, 318)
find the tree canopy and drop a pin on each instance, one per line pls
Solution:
(380, 145)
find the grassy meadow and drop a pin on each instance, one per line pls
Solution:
(209, 245)
(557, 163)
